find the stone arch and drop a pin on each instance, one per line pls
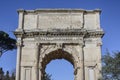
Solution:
(58, 36)
(49, 52)
(57, 54)
(53, 48)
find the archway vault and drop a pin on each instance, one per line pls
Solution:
(67, 51)
(57, 54)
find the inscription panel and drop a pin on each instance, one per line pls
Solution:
(59, 21)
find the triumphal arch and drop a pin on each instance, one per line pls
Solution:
(47, 34)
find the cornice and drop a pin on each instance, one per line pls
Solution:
(59, 33)
(58, 10)
(92, 34)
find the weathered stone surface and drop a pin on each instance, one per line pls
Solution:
(47, 34)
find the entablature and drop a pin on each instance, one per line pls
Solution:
(60, 33)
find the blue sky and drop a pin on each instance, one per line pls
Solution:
(110, 22)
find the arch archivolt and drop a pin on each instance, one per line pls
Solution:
(69, 52)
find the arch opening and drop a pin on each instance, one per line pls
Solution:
(60, 69)
(58, 54)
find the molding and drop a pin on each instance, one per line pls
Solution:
(60, 33)
(59, 10)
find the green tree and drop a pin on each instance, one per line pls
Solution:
(111, 66)
(1, 74)
(6, 42)
(47, 77)
(13, 76)
(7, 76)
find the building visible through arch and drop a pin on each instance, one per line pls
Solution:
(47, 34)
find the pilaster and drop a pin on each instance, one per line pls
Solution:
(36, 65)
(99, 63)
(80, 75)
(18, 69)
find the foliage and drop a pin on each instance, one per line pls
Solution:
(1, 74)
(111, 66)
(13, 76)
(47, 76)
(6, 76)
(6, 42)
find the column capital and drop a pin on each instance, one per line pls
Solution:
(99, 44)
(19, 44)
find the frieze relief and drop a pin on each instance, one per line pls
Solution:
(59, 39)
(59, 33)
